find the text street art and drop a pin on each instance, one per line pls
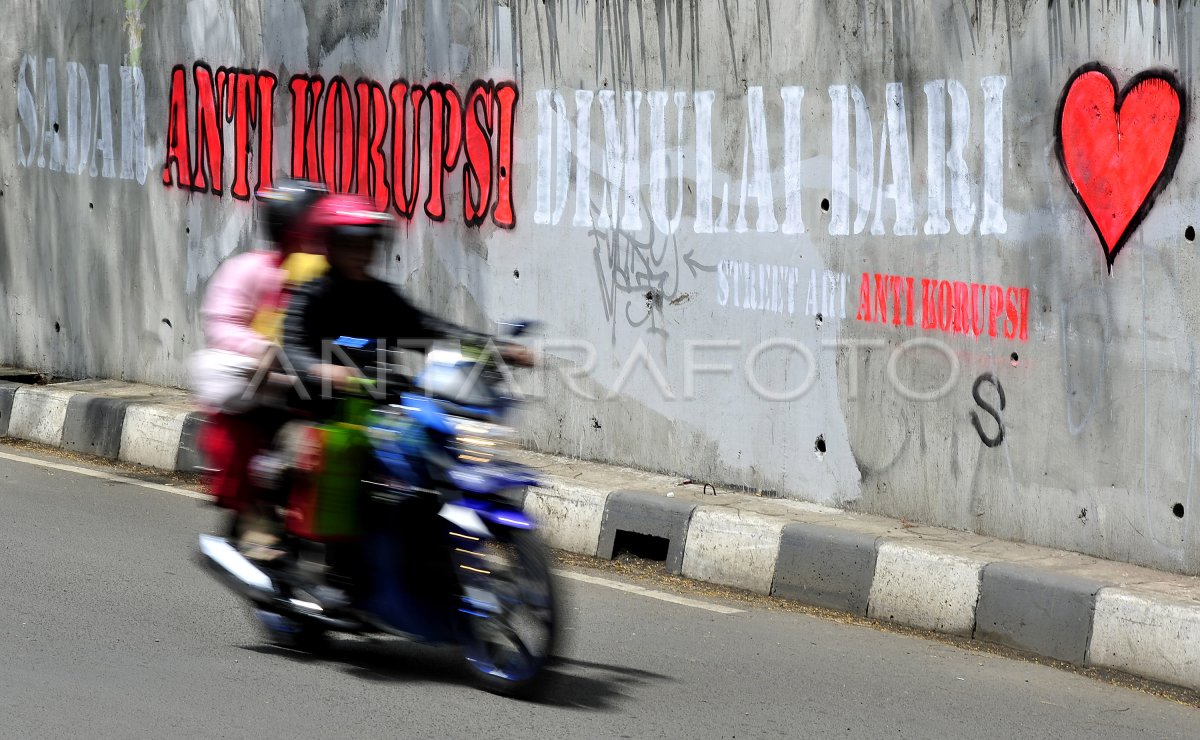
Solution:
(781, 289)
(952, 307)
(680, 126)
(241, 97)
(1119, 150)
(355, 137)
(988, 439)
(94, 137)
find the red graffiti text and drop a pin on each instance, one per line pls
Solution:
(953, 307)
(361, 138)
(392, 145)
(240, 97)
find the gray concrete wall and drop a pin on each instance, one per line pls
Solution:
(693, 186)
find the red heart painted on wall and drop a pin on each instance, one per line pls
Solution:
(1119, 150)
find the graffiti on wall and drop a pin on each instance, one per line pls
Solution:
(951, 307)
(989, 440)
(355, 137)
(781, 289)
(84, 131)
(243, 98)
(641, 273)
(680, 128)
(1119, 150)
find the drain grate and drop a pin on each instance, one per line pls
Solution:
(644, 546)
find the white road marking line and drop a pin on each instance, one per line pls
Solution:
(617, 585)
(106, 476)
(660, 595)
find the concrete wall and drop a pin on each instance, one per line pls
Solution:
(672, 186)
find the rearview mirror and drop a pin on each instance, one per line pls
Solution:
(518, 327)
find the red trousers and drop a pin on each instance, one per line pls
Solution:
(229, 442)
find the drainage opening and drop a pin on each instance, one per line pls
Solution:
(643, 546)
(1178, 510)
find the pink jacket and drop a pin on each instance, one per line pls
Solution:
(241, 286)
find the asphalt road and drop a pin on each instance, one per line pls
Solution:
(109, 630)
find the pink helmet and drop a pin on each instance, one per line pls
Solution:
(336, 219)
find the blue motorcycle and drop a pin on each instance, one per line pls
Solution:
(440, 551)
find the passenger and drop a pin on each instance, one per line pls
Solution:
(242, 315)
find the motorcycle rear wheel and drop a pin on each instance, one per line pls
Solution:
(507, 651)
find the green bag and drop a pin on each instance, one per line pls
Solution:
(332, 509)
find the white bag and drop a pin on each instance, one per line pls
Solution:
(224, 380)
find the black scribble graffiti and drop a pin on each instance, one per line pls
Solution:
(627, 266)
(991, 410)
(642, 274)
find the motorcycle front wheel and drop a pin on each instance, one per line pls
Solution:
(510, 641)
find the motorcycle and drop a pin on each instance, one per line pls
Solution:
(422, 519)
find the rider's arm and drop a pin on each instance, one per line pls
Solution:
(415, 324)
(425, 327)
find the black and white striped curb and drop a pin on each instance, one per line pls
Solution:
(1056, 604)
(136, 424)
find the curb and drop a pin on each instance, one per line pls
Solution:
(1147, 625)
(8, 391)
(1061, 605)
(105, 419)
(733, 548)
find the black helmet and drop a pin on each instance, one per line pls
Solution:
(281, 207)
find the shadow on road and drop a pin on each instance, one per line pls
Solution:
(580, 684)
(570, 683)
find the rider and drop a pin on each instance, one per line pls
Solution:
(242, 314)
(348, 302)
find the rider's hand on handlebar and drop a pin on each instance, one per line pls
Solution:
(519, 355)
(338, 375)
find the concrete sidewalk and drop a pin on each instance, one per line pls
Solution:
(1057, 604)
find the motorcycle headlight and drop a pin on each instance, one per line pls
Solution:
(479, 441)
